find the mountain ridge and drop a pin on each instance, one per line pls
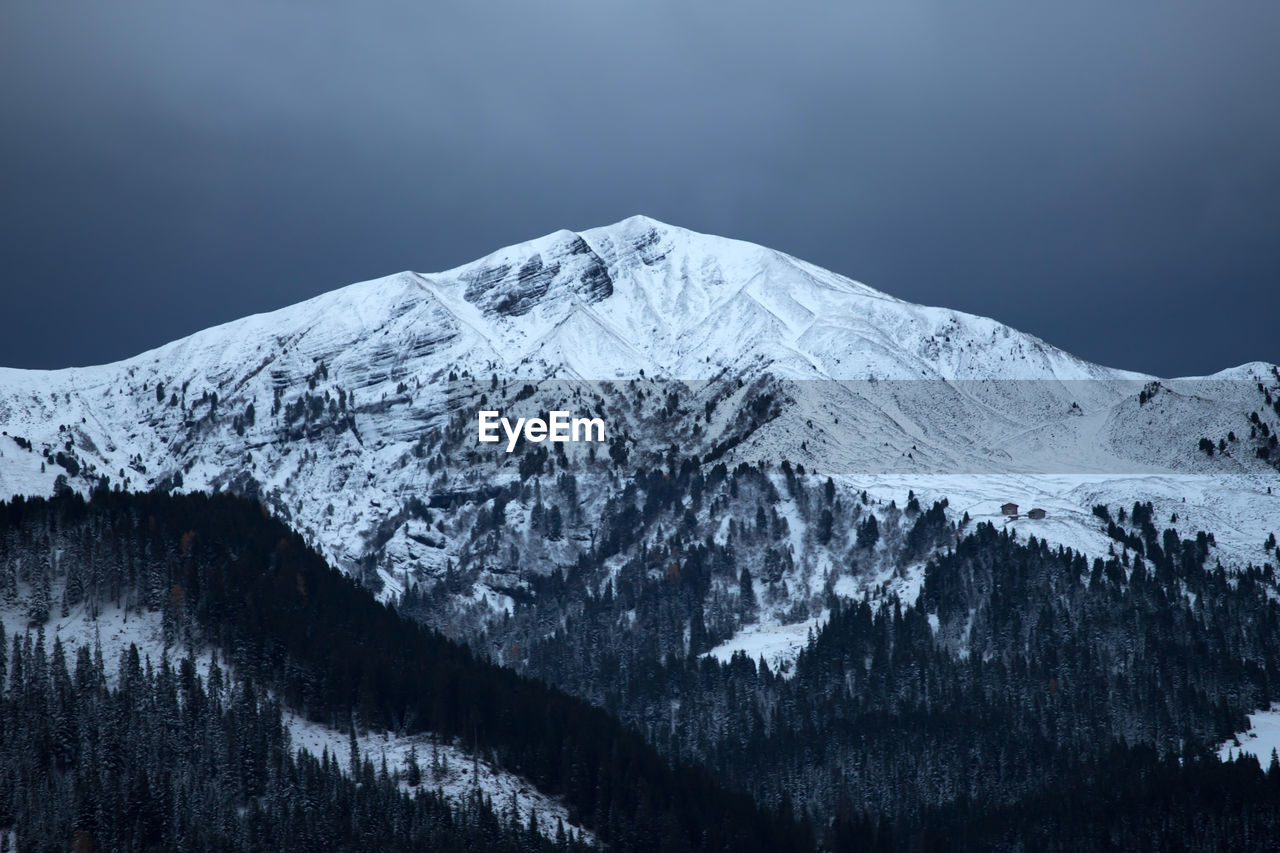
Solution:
(338, 411)
(347, 300)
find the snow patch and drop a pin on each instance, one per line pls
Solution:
(1262, 736)
(779, 645)
(445, 768)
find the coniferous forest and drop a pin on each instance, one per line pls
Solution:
(299, 635)
(167, 760)
(1029, 699)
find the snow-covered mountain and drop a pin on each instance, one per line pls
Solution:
(351, 415)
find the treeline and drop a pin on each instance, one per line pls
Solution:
(680, 561)
(222, 572)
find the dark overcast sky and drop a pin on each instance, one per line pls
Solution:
(1105, 175)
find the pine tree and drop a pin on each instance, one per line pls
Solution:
(746, 595)
(353, 761)
(413, 773)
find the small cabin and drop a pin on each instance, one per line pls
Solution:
(1009, 509)
(1035, 513)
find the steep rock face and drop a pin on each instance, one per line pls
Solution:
(513, 287)
(351, 414)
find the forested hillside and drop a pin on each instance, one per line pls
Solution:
(227, 576)
(167, 760)
(1028, 699)
(1021, 674)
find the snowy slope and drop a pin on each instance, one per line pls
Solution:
(338, 412)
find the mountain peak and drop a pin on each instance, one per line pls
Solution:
(640, 222)
(361, 378)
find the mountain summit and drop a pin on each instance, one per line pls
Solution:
(641, 295)
(346, 414)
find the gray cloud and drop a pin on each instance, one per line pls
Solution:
(1104, 175)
